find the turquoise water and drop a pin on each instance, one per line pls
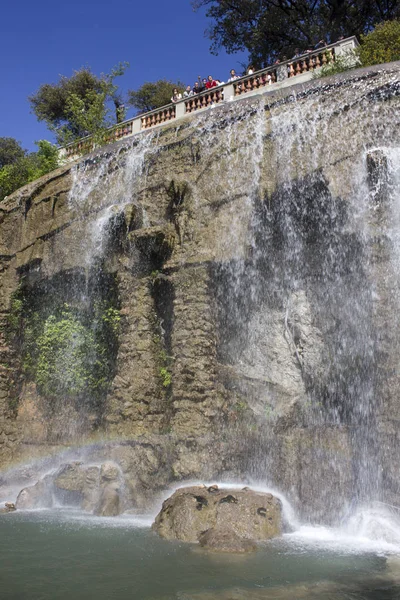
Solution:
(65, 555)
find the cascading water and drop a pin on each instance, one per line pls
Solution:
(293, 206)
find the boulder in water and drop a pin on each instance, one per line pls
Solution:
(191, 511)
(219, 539)
(8, 507)
(110, 503)
(36, 496)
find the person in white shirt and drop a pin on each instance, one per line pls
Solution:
(188, 92)
(176, 96)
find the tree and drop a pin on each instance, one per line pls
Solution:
(78, 105)
(381, 45)
(270, 29)
(10, 151)
(153, 95)
(26, 167)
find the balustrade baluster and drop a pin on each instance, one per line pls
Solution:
(298, 68)
(317, 62)
(304, 66)
(291, 70)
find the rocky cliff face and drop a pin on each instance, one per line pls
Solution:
(224, 291)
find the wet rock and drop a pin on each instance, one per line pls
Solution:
(70, 477)
(110, 502)
(78, 484)
(8, 507)
(191, 511)
(225, 540)
(90, 490)
(36, 496)
(109, 472)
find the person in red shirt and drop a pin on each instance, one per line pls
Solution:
(211, 83)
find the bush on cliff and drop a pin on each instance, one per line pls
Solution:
(382, 45)
(18, 167)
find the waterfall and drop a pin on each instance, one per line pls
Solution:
(276, 218)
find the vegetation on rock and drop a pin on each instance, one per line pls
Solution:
(65, 350)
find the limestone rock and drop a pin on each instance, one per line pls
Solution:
(78, 484)
(90, 488)
(109, 472)
(110, 502)
(8, 507)
(191, 511)
(220, 539)
(70, 477)
(35, 496)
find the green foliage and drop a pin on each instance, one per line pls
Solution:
(79, 105)
(340, 65)
(67, 353)
(112, 317)
(153, 95)
(270, 29)
(25, 168)
(381, 45)
(14, 317)
(10, 151)
(166, 377)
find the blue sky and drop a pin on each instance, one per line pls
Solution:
(41, 40)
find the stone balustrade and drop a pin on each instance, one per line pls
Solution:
(205, 99)
(289, 72)
(254, 81)
(158, 116)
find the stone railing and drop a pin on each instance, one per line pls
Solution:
(205, 99)
(158, 116)
(283, 74)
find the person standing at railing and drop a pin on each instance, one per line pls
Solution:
(200, 85)
(211, 83)
(188, 92)
(320, 44)
(197, 88)
(233, 76)
(176, 96)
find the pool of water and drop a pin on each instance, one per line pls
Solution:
(60, 555)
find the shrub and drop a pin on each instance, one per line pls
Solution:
(382, 45)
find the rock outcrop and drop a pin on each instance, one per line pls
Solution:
(36, 496)
(229, 515)
(8, 507)
(109, 504)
